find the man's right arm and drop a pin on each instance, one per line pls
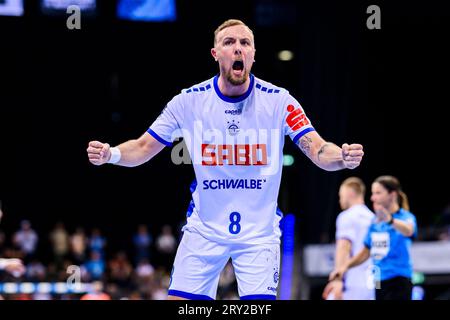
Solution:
(132, 152)
(343, 249)
(342, 264)
(362, 256)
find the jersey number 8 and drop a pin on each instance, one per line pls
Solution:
(235, 227)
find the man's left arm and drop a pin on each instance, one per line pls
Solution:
(329, 156)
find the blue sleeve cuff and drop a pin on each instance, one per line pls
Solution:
(301, 134)
(154, 135)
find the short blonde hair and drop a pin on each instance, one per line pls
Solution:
(356, 184)
(231, 23)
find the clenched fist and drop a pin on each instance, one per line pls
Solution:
(98, 153)
(352, 155)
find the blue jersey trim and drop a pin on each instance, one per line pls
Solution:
(187, 295)
(199, 89)
(266, 89)
(191, 206)
(259, 297)
(154, 135)
(193, 186)
(278, 212)
(190, 209)
(234, 100)
(301, 134)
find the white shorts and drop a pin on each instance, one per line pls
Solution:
(358, 293)
(199, 261)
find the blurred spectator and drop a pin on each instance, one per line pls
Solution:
(160, 293)
(144, 277)
(26, 240)
(166, 246)
(121, 280)
(144, 269)
(78, 242)
(59, 239)
(120, 270)
(142, 241)
(95, 266)
(97, 242)
(161, 284)
(35, 271)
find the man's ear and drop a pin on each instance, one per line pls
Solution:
(214, 53)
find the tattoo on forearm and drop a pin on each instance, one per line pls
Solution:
(322, 150)
(305, 145)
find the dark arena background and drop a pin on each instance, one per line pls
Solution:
(59, 89)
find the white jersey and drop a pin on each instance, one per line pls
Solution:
(236, 149)
(353, 225)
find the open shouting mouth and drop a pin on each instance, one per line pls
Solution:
(238, 67)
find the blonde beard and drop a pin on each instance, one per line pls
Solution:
(236, 82)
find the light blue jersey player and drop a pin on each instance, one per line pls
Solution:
(389, 248)
(234, 125)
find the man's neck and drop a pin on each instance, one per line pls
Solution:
(230, 90)
(357, 202)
